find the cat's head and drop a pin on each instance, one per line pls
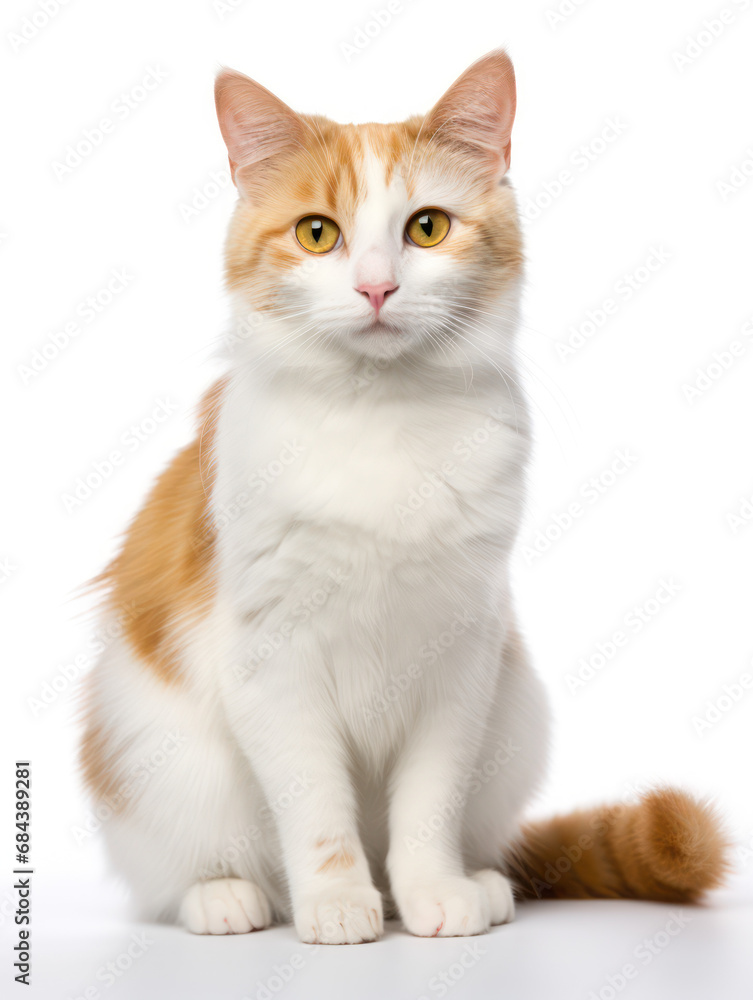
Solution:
(374, 240)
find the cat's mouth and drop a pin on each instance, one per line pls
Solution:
(378, 338)
(379, 326)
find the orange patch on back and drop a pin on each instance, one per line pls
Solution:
(97, 765)
(165, 569)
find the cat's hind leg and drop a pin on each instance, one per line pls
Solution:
(508, 773)
(183, 817)
(225, 906)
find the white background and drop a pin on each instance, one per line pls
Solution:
(655, 184)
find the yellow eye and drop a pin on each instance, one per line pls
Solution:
(428, 227)
(317, 234)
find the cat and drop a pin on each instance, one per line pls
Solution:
(321, 708)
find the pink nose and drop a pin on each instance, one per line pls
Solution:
(376, 294)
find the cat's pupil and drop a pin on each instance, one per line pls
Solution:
(317, 229)
(426, 224)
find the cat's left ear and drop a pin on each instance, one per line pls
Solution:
(256, 125)
(477, 112)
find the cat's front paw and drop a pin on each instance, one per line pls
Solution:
(457, 907)
(340, 914)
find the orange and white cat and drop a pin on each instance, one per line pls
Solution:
(320, 617)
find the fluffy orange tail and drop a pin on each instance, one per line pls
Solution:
(667, 847)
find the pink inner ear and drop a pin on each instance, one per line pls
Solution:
(254, 123)
(478, 111)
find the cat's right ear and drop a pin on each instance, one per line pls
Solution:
(254, 123)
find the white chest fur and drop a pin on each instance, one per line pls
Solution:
(357, 531)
